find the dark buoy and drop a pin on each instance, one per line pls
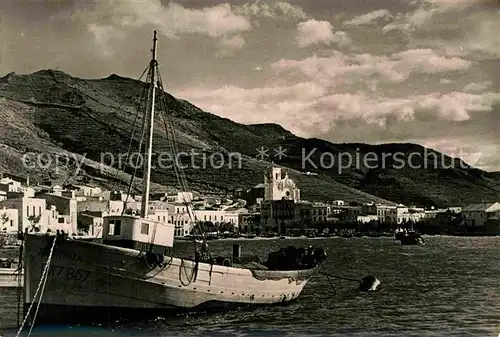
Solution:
(369, 283)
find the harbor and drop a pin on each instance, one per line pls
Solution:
(249, 168)
(441, 288)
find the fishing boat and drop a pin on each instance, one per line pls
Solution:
(399, 233)
(409, 237)
(133, 273)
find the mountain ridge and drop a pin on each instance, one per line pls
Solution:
(88, 116)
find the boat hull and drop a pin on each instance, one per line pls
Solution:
(88, 280)
(91, 315)
(411, 239)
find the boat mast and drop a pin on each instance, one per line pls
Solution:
(272, 195)
(149, 149)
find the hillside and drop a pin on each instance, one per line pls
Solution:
(51, 112)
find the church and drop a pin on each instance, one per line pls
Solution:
(279, 187)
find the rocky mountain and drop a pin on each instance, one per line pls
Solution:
(52, 123)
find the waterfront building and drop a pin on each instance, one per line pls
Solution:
(9, 220)
(476, 216)
(387, 214)
(180, 216)
(66, 205)
(34, 215)
(14, 189)
(277, 215)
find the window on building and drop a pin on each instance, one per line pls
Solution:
(27, 210)
(145, 228)
(34, 210)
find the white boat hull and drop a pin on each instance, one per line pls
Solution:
(86, 277)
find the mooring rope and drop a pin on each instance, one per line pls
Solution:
(328, 278)
(182, 267)
(41, 285)
(324, 272)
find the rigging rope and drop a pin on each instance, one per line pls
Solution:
(117, 171)
(41, 284)
(143, 132)
(329, 281)
(180, 174)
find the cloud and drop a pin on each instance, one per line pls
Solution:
(455, 106)
(312, 32)
(272, 10)
(369, 18)
(477, 87)
(397, 67)
(230, 45)
(428, 61)
(309, 108)
(173, 19)
(285, 104)
(458, 27)
(103, 35)
(470, 150)
(462, 3)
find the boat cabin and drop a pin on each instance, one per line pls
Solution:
(129, 231)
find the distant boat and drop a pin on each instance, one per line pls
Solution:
(411, 238)
(133, 274)
(399, 233)
(347, 235)
(408, 236)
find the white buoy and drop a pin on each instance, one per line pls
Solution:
(369, 283)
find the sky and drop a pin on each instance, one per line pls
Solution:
(372, 71)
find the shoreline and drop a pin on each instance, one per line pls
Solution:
(340, 237)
